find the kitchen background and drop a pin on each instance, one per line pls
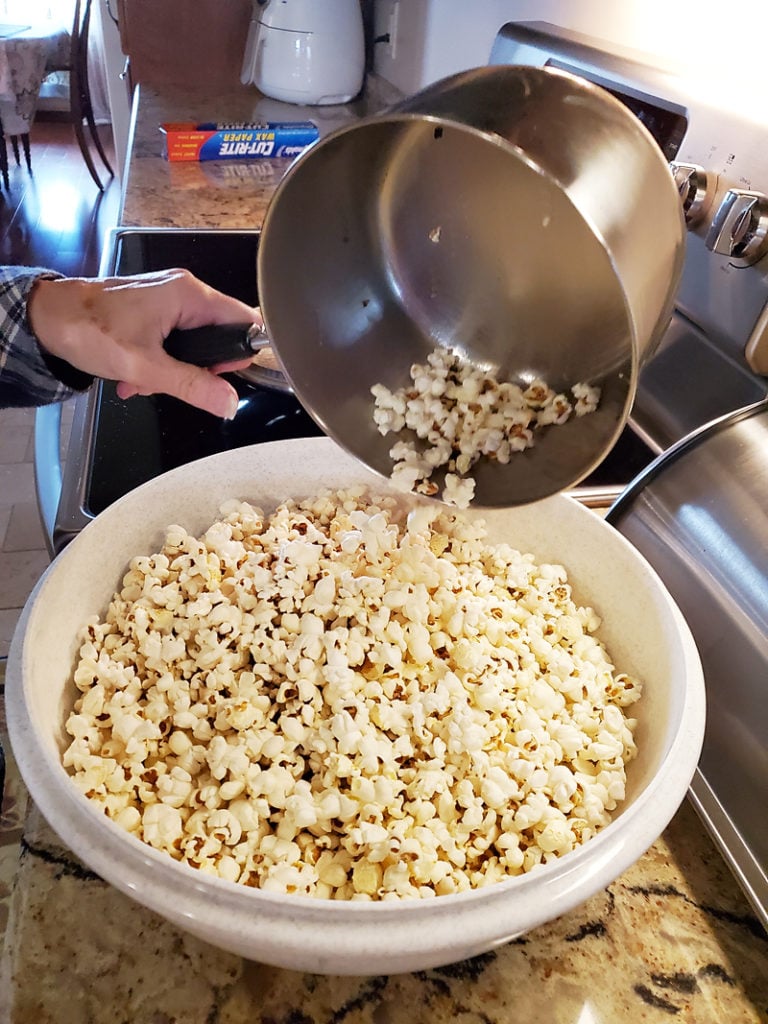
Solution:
(410, 44)
(433, 38)
(419, 42)
(414, 42)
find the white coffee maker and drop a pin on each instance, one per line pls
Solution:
(306, 51)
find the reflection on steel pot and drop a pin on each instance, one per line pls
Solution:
(520, 215)
(700, 516)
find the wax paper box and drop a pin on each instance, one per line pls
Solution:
(244, 141)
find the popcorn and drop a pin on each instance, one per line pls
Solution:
(457, 413)
(350, 700)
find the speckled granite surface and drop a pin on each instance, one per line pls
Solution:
(670, 940)
(673, 939)
(217, 194)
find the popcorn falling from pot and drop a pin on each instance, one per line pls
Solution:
(460, 414)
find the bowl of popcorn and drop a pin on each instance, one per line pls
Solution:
(335, 728)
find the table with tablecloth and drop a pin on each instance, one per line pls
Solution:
(27, 53)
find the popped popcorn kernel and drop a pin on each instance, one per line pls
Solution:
(453, 414)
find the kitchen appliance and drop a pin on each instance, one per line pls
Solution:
(306, 51)
(700, 515)
(473, 217)
(710, 363)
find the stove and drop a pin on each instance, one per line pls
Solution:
(712, 362)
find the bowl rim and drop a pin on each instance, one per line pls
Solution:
(571, 878)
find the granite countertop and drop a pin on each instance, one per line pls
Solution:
(218, 194)
(672, 939)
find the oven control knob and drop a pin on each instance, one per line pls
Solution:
(740, 227)
(696, 188)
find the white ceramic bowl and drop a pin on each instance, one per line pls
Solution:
(642, 626)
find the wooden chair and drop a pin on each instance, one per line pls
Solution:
(4, 159)
(4, 152)
(80, 107)
(25, 147)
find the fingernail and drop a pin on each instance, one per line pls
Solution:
(223, 401)
(230, 410)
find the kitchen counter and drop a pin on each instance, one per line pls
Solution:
(217, 194)
(672, 939)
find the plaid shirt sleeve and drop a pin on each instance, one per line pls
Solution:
(28, 375)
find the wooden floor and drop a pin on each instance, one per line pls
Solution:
(56, 217)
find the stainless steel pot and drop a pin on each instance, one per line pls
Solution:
(520, 215)
(699, 514)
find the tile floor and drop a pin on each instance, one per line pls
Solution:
(23, 558)
(23, 552)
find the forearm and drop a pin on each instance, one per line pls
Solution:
(29, 375)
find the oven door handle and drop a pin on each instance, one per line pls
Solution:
(48, 467)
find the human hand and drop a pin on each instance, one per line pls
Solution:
(115, 328)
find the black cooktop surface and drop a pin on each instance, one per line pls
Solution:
(136, 440)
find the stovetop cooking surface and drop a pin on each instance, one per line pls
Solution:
(134, 441)
(137, 440)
